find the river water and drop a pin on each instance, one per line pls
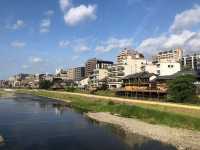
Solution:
(34, 123)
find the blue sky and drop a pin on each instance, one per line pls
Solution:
(41, 35)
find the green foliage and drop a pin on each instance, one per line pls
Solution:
(45, 84)
(182, 89)
(70, 88)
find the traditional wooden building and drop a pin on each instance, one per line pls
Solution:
(142, 85)
(148, 85)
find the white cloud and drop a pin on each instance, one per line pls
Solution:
(186, 19)
(17, 25)
(35, 60)
(114, 43)
(64, 4)
(49, 13)
(187, 40)
(81, 48)
(179, 37)
(45, 25)
(64, 44)
(79, 14)
(78, 45)
(18, 44)
(25, 66)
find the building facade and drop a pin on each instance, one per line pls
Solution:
(99, 73)
(94, 63)
(165, 68)
(125, 53)
(168, 62)
(79, 73)
(129, 62)
(191, 62)
(174, 54)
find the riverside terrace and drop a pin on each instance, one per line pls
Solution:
(148, 85)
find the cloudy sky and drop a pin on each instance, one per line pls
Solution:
(41, 35)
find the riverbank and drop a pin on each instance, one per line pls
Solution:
(5, 93)
(179, 117)
(181, 138)
(153, 119)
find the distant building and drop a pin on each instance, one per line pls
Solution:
(174, 54)
(125, 53)
(71, 74)
(60, 73)
(168, 62)
(79, 73)
(129, 62)
(165, 68)
(94, 63)
(191, 62)
(83, 84)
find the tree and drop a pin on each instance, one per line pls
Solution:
(182, 88)
(45, 84)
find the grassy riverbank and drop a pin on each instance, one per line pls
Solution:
(150, 115)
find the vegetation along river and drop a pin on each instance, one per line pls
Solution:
(35, 123)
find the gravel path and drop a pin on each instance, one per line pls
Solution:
(133, 101)
(181, 138)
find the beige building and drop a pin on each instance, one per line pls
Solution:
(174, 54)
(71, 74)
(129, 62)
(98, 75)
(125, 53)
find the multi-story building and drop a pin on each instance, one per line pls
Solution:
(168, 62)
(166, 68)
(125, 53)
(174, 54)
(128, 63)
(94, 63)
(79, 73)
(71, 74)
(60, 73)
(191, 62)
(99, 73)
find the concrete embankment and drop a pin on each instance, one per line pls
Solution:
(181, 138)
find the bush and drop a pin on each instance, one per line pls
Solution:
(45, 84)
(182, 89)
(70, 89)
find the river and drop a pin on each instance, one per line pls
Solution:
(35, 123)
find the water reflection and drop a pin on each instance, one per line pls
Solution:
(35, 123)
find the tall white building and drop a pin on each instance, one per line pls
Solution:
(128, 63)
(168, 62)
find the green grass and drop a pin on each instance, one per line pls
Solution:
(153, 116)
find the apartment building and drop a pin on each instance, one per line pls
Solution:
(71, 74)
(166, 67)
(125, 53)
(79, 73)
(168, 62)
(128, 63)
(191, 62)
(94, 63)
(99, 73)
(174, 54)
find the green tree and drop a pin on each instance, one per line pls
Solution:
(45, 84)
(182, 89)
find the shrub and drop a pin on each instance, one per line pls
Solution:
(45, 84)
(182, 89)
(70, 89)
